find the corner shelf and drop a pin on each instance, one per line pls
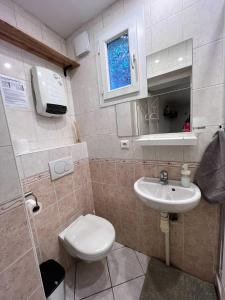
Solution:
(168, 139)
(24, 41)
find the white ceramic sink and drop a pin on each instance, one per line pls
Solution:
(171, 198)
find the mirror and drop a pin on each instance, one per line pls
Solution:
(168, 106)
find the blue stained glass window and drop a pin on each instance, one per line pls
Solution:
(119, 62)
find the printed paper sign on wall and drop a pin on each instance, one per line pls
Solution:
(13, 92)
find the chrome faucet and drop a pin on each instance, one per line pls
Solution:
(163, 177)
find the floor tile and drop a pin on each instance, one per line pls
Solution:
(70, 283)
(123, 265)
(106, 295)
(91, 278)
(117, 246)
(144, 260)
(132, 289)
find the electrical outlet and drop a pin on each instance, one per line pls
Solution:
(124, 144)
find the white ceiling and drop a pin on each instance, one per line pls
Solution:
(64, 16)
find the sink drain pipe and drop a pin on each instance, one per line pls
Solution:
(165, 228)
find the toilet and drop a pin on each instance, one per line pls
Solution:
(89, 237)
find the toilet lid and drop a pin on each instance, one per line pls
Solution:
(90, 235)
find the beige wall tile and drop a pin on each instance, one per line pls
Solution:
(108, 170)
(47, 224)
(9, 178)
(125, 173)
(110, 197)
(174, 171)
(63, 186)
(198, 248)
(148, 242)
(177, 242)
(38, 294)
(68, 206)
(99, 201)
(79, 176)
(95, 169)
(15, 238)
(145, 170)
(126, 198)
(129, 221)
(20, 279)
(47, 221)
(44, 191)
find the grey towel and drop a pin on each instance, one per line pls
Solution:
(210, 176)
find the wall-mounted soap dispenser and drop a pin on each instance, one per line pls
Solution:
(185, 176)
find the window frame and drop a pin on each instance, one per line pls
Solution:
(107, 37)
(134, 20)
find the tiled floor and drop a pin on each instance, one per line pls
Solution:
(118, 277)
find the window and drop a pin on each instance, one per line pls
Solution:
(119, 62)
(122, 62)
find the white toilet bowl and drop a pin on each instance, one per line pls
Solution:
(89, 237)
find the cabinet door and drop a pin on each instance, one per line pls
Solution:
(118, 59)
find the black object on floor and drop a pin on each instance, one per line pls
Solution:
(52, 274)
(168, 283)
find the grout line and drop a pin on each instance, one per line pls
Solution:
(143, 275)
(17, 259)
(110, 276)
(139, 261)
(111, 288)
(123, 246)
(34, 291)
(96, 293)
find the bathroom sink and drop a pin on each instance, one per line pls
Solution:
(171, 197)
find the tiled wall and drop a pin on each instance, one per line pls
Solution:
(193, 238)
(166, 23)
(24, 123)
(19, 271)
(63, 200)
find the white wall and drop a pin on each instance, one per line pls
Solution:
(41, 132)
(167, 23)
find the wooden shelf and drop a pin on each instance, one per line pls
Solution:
(24, 41)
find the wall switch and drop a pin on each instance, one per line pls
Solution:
(124, 144)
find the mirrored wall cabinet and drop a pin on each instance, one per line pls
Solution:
(121, 61)
(164, 117)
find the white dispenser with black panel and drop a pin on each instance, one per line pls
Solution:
(49, 92)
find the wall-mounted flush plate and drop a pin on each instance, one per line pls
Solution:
(61, 167)
(124, 144)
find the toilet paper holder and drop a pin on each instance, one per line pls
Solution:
(36, 207)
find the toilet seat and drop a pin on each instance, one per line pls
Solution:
(90, 236)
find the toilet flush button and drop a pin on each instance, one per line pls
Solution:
(61, 167)
(67, 167)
